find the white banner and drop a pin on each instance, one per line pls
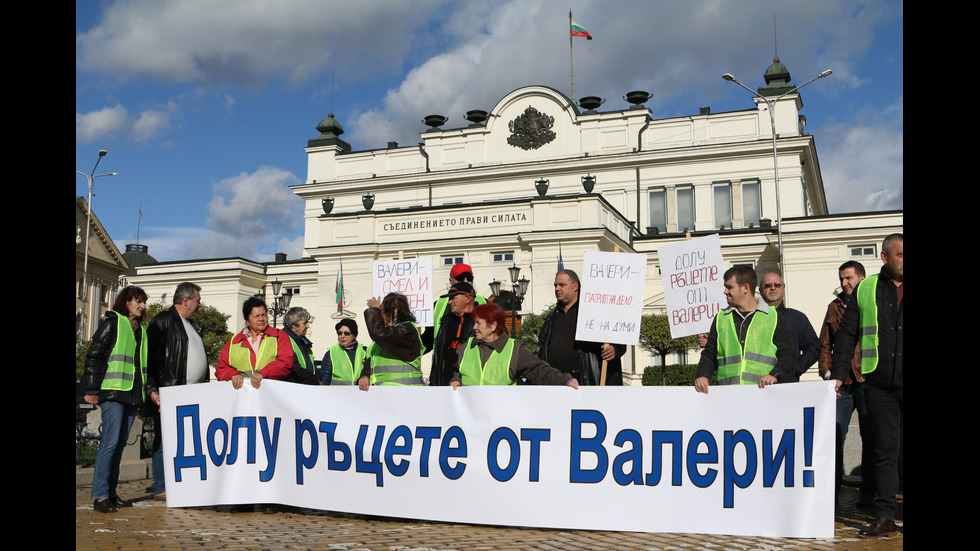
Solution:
(611, 297)
(739, 460)
(694, 287)
(411, 277)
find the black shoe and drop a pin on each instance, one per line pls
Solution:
(120, 502)
(882, 527)
(104, 506)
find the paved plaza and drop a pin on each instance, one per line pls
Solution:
(151, 525)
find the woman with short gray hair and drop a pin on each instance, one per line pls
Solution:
(297, 322)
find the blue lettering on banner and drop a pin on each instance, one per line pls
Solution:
(196, 459)
(535, 437)
(592, 445)
(740, 456)
(449, 451)
(247, 423)
(270, 443)
(217, 457)
(427, 435)
(374, 465)
(303, 461)
(661, 437)
(393, 448)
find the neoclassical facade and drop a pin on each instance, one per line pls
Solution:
(96, 288)
(509, 188)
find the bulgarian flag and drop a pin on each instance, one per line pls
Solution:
(579, 30)
(339, 287)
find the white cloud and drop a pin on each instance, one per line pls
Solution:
(676, 50)
(249, 214)
(113, 121)
(863, 165)
(248, 41)
(96, 125)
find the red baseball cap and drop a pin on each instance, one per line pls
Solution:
(460, 269)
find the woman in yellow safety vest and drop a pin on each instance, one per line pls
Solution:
(493, 358)
(115, 378)
(256, 352)
(344, 363)
(395, 356)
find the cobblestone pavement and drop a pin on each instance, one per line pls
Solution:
(151, 525)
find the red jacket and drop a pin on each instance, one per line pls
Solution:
(276, 370)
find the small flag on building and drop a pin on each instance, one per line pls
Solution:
(579, 30)
(561, 263)
(339, 288)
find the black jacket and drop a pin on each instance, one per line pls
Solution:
(805, 343)
(891, 329)
(96, 363)
(589, 369)
(167, 359)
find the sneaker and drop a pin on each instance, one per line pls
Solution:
(104, 506)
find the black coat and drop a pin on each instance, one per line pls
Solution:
(167, 359)
(589, 372)
(97, 361)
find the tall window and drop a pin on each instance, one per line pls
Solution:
(751, 203)
(658, 209)
(685, 208)
(723, 205)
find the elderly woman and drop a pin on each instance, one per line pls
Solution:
(115, 378)
(257, 351)
(345, 362)
(493, 358)
(297, 322)
(396, 353)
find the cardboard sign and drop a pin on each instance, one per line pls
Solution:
(411, 277)
(611, 297)
(694, 286)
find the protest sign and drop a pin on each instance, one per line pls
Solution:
(411, 277)
(694, 288)
(740, 460)
(611, 297)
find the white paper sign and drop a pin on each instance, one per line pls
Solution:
(411, 277)
(740, 460)
(694, 286)
(611, 297)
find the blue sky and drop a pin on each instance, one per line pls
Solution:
(205, 106)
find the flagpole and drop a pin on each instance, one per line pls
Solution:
(571, 53)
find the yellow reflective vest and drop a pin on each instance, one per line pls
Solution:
(745, 366)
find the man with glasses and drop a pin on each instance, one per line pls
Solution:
(806, 345)
(345, 363)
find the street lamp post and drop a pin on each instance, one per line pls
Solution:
(88, 230)
(518, 288)
(771, 103)
(280, 302)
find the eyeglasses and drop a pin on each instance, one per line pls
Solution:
(771, 285)
(343, 333)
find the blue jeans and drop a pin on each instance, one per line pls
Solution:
(159, 480)
(117, 419)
